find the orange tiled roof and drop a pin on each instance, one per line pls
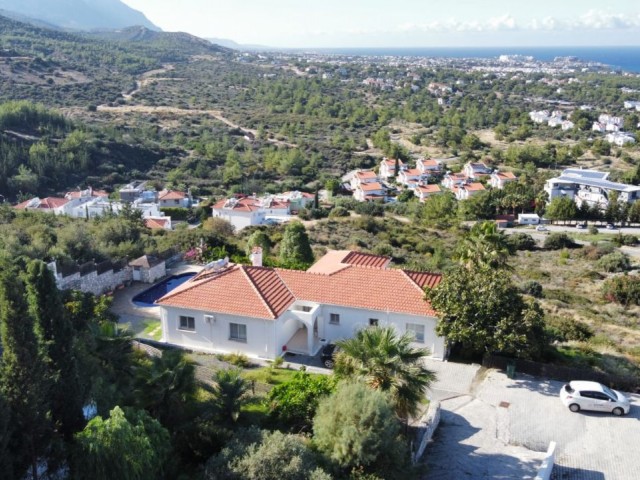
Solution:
(430, 163)
(474, 187)
(92, 193)
(171, 195)
(247, 204)
(155, 223)
(343, 278)
(429, 188)
(391, 162)
(506, 175)
(48, 203)
(371, 186)
(366, 174)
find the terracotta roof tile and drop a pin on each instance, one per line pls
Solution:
(261, 292)
(371, 186)
(171, 195)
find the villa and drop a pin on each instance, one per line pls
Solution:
(388, 168)
(265, 312)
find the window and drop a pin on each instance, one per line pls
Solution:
(187, 323)
(177, 202)
(305, 308)
(334, 319)
(373, 322)
(417, 330)
(238, 332)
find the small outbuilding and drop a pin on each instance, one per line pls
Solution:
(148, 268)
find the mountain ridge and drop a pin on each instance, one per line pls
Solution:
(77, 14)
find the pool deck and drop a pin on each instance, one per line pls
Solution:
(137, 318)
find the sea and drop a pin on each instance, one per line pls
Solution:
(619, 58)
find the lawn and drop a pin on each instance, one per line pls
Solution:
(152, 329)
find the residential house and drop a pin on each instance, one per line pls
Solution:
(132, 191)
(158, 223)
(240, 212)
(411, 177)
(422, 192)
(296, 200)
(466, 191)
(53, 205)
(173, 198)
(620, 138)
(388, 168)
(539, 117)
(589, 186)
(265, 312)
(476, 170)
(452, 180)
(567, 125)
(361, 177)
(500, 179)
(366, 192)
(429, 166)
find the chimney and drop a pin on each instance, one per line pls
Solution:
(256, 256)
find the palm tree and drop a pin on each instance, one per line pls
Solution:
(387, 362)
(166, 386)
(229, 390)
(484, 246)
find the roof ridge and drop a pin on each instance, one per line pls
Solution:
(244, 270)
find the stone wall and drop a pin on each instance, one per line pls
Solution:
(150, 275)
(96, 281)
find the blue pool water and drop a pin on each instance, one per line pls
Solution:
(150, 295)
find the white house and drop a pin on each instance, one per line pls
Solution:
(429, 166)
(452, 180)
(567, 125)
(476, 170)
(410, 177)
(240, 212)
(425, 191)
(464, 192)
(619, 138)
(500, 179)
(388, 168)
(173, 198)
(370, 191)
(264, 312)
(589, 186)
(363, 176)
(53, 205)
(528, 219)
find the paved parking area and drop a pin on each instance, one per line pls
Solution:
(503, 427)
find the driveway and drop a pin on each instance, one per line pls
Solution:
(503, 427)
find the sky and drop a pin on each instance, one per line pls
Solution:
(401, 23)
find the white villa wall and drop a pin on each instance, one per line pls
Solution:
(353, 319)
(240, 220)
(214, 336)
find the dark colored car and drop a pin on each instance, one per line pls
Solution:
(327, 356)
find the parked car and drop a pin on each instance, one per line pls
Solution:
(611, 226)
(580, 226)
(541, 228)
(583, 395)
(327, 356)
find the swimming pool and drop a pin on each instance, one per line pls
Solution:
(150, 295)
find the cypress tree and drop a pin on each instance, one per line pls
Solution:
(23, 379)
(55, 334)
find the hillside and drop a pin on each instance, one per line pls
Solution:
(79, 14)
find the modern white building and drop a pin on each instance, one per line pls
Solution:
(528, 219)
(589, 186)
(429, 166)
(388, 168)
(620, 138)
(422, 192)
(411, 177)
(265, 312)
(476, 170)
(500, 179)
(371, 191)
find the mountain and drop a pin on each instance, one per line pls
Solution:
(78, 14)
(225, 42)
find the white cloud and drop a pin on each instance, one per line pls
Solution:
(591, 20)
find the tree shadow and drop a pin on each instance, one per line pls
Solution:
(569, 473)
(448, 458)
(550, 388)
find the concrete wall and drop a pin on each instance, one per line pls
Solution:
(426, 428)
(154, 273)
(214, 336)
(546, 469)
(240, 220)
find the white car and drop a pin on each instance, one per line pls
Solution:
(541, 228)
(582, 395)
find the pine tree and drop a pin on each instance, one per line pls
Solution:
(23, 378)
(55, 335)
(295, 247)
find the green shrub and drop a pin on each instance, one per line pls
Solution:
(593, 230)
(532, 288)
(620, 240)
(614, 262)
(557, 241)
(623, 289)
(370, 208)
(566, 329)
(177, 213)
(521, 241)
(237, 359)
(338, 212)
